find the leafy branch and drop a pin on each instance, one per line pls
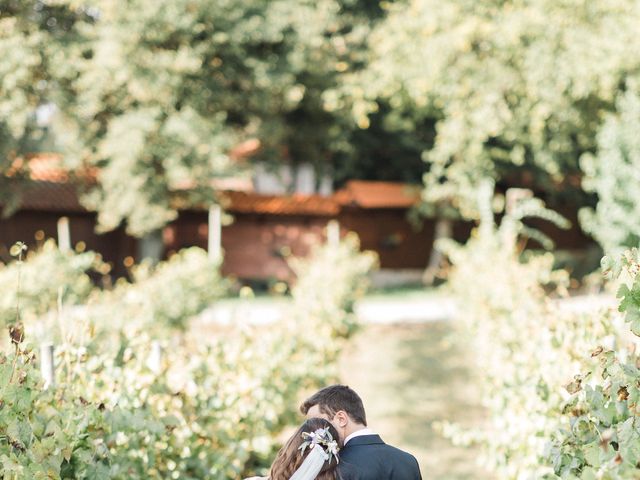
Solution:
(16, 331)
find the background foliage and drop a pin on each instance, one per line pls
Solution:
(526, 348)
(132, 402)
(513, 90)
(46, 278)
(34, 39)
(612, 174)
(599, 437)
(165, 90)
(380, 90)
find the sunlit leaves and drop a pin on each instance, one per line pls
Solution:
(514, 86)
(612, 174)
(66, 279)
(609, 404)
(17, 250)
(156, 94)
(211, 406)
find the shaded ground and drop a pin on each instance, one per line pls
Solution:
(410, 376)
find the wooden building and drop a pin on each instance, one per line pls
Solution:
(263, 232)
(48, 196)
(265, 229)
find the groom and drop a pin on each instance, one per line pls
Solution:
(364, 455)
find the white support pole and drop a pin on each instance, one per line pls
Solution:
(47, 367)
(154, 362)
(443, 230)
(485, 191)
(609, 342)
(214, 245)
(64, 234)
(333, 233)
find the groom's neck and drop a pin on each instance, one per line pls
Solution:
(353, 428)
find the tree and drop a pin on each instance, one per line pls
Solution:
(613, 174)
(155, 95)
(34, 34)
(516, 90)
(163, 93)
(167, 87)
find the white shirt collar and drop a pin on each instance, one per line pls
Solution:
(359, 433)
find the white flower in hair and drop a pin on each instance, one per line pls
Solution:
(321, 437)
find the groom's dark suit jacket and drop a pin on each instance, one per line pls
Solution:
(367, 457)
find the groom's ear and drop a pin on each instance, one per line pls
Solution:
(341, 418)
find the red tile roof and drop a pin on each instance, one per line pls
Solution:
(245, 202)
(358, 193)
(48, 167)
(47, 185)
(52, 188)
(367, 194)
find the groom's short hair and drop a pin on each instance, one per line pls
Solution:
(332, 399)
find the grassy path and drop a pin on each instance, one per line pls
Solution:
(409, 377)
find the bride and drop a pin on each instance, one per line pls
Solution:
(310, 454)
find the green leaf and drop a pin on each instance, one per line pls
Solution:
(588, 474)
(627, 431)
(635, 322)
(592, 453)
(20, 431)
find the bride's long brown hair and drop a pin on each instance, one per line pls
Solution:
(290, 458)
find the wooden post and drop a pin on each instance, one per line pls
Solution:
(484, 192)
(47, 367)
(64, 234)
(444, 230)
(214, 245)
(333, 233)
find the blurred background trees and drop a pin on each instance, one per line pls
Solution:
(159, 99)
(34, 75)
(514, 90)
(447, 92)
(613, 174)
(167, 89)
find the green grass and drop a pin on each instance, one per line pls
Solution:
(409, 377)
(401, 293)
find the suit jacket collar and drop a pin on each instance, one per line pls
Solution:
(364, 440)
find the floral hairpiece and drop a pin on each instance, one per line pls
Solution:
(321, 437)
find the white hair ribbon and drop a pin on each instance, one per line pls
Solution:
(312, 464)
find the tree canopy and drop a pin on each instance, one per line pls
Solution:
(156, 94)
(516, 90)
(613, 174)
(168, 87)
(34, 37)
